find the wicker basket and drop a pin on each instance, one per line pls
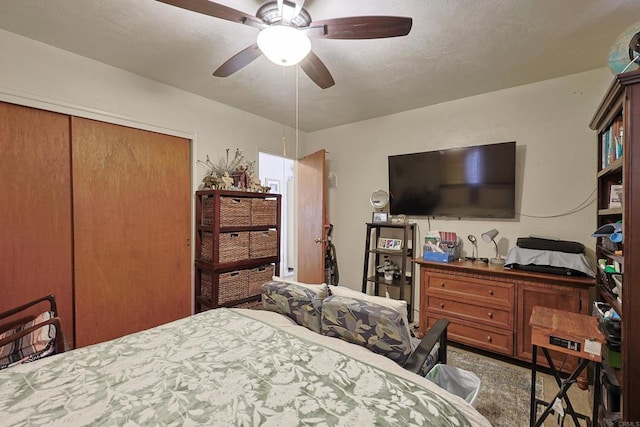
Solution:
(233, 286)
(208, 204)
(263, 244)
(206, 246)
(233, 246)
(206, 283)
(235, 211)
(258, 276)
(263, 212)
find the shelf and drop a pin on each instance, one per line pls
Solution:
(610, 299)
(612, 372)
(238, 228)
(392, 252)
(395, 282)
(609, 254)
(610, 211)
(389, 224)
(375, 256)
(236, 265)
(621, 106)
(250, 216)
(209, 304)
(614, 167)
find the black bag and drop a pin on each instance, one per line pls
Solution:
(550, 245)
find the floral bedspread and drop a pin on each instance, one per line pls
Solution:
(217, 368)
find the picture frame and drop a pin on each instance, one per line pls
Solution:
(615, 196)
(380, 217)
(273, 184)
(388, 244)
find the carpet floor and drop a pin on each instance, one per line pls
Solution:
(504, 392)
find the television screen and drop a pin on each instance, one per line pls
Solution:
(468, 182)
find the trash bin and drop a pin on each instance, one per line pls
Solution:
(457, 381)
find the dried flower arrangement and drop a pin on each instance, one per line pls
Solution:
(235, 174)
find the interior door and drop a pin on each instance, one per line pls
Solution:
(312, 217)
(132, 218)
(35, 210)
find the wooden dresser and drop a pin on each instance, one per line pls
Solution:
(489, 306)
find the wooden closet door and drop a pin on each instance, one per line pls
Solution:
(35, 210)
(132, 210)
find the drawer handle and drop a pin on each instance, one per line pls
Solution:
(441, 305)
(442, 284)
(490, 292)
(490, 314)
(489, 338)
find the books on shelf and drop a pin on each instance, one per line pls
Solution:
(612, 143)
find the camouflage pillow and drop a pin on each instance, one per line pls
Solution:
(379, 328)
(299, 301)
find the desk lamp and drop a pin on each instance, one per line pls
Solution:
(490, 236)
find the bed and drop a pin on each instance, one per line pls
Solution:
(225, 367)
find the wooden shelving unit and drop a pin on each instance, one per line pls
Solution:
(237, 246)
(375, 255)
(620, 109)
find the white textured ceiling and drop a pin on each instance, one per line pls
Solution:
(456, 48)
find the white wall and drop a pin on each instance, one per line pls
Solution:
(556, 155)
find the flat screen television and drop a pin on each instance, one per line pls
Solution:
(468, 182)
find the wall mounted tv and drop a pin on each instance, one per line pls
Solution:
(468, 182)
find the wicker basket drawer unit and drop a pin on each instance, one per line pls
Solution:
(263, 244)
(258, 276)
(235, 211)
(231, 247)
(237, 246)
(264, 212)
(205, 279)
(233, 286)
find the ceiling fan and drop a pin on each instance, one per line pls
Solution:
(283, 21)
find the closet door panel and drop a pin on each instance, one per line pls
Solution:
(35, 210)
(132, 209)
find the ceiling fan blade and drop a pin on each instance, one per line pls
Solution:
(216, 10)
(238, 61)
(363, 27)
(317, 71)
(299, 6)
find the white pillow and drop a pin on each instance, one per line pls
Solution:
(399, 305)
(319, 289)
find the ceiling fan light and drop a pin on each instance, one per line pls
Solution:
(284, 45)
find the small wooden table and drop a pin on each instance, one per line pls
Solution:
(572, 334)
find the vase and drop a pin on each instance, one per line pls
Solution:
(388, 277)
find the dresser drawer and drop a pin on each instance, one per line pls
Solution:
(476, 336)
(493, 293)
(500, 317)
